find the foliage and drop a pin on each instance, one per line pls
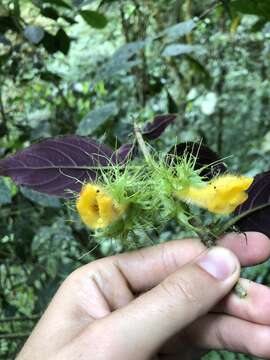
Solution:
(91, 68)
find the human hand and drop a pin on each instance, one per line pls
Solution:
(160, 303)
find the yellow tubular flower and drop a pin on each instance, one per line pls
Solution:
(97, 209)
(221, 195)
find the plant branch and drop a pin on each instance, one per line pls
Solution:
(214, 4)
(125, 24)
(14, 336)
(205, 235)
(234, 220)
(141, 143)
(2, 109)
(20, 318)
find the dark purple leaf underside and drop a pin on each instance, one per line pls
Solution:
(57, 166)
(204, 155)
(258, 194)
(124, 153)
(154, 129)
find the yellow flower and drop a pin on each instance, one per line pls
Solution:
(97, 209)
(221, 195)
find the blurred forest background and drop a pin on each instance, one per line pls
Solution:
(90, 68)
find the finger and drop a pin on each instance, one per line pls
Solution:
(255, 307)
(224, 332)
(99, 287)
(250, 247)
(146, 268)
(185, 295)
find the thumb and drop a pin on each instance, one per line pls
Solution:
(190, 292)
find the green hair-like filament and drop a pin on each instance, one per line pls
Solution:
(147, 189)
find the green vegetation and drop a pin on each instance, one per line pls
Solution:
(90, 68)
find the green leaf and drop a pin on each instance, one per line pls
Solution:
(95, 118)
(60, 3)
(3, 11)
(37, 116)
(51, 246)
(7, 23)
(259, 25)
(4, 58)
(103, 2)
(50, 43)
(34, 34)
(41, 131)
(50, 12)
(5, 41)
(59, 42)
(127, 51)
(50, 77)
(200, 70)
(17, 10)
(63, 41)
(178, 30)
(226, 5)
(253, 7)
(69, 19)
(41, 199)
(94, 18)
(123, 59)
(5, 193)
(173, 107)
(179, 49)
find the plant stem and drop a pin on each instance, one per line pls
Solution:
(2, 110)
(14, 336)
(214, 4)
(19, 319)
(207, 238)
(141, 144)
(241, 216)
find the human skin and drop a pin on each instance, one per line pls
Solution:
(169, 301)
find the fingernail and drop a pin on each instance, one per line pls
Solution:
(218, 262)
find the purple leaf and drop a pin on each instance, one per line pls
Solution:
(54, 166)
(258, 195)
(204, 155)
(124, 153)
(154, 129)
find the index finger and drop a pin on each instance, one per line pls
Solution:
(145, 268)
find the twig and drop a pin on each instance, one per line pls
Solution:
(220, 128)
(141, 143)
(125, 24)
(20, 318)
(214, 4)
(204, 234)
(237, 218)
(14, 336)
(2, 110)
